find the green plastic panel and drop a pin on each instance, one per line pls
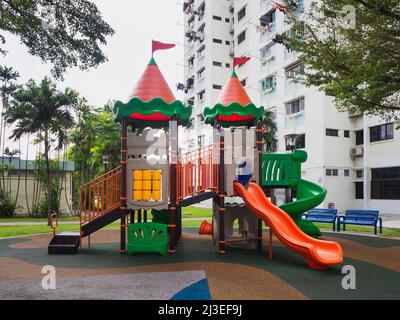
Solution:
(147, 237)
(282, 170)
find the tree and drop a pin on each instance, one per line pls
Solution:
(67, 33)
(42, 110)
(95, 134)
(269, 131)
(8, 77)
(351, 49)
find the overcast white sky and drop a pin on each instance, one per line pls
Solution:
(135, 23)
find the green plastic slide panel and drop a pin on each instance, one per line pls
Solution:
(282, 170)
(147, 237)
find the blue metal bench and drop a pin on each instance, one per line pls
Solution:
(322, 215)
(361, 217)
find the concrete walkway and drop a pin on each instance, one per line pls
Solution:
(44, 223)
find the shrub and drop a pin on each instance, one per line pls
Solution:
(7, 204)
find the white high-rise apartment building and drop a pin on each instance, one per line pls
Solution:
(357, 158)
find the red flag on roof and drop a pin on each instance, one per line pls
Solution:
(280, 7)
(240, 60)
(157, 45)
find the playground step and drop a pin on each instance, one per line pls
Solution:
(100, 222)
(64, 243)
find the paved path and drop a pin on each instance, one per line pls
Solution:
(44, 223)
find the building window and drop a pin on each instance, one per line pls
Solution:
(228, 65)
(217, 18)
(359, 137)
(201, 51)
(201, 95)
(268, 19)
(242, 13)
(228, 43)
(217, 40)
(332, 172)
(346, 133)
(200, 141)
(191, 61)
(295, 71)
(190, 101)
(294, 106)
(200, 117)
(268, 83)
(217, 87)
(359, 188)
(227, 20)
(217, 64)
(244, 82)
(359, 174)
(381, 133)
(346, 172)
(385, 183)
(241, 37)
(200, 73)
(332, 132)
(298, 142)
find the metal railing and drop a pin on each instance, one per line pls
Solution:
(197, 172)
(99, 196)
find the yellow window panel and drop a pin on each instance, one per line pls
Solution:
(157, 175)
(137, 174)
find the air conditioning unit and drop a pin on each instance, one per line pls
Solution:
(356, 152)
(354, 112)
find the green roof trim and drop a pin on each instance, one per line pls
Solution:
(156, 105)
(234, 108)
(234, 75)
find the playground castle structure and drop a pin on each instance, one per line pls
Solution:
(167, 181)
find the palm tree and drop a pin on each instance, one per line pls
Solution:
(8, 76)
(42, 110)
(269, 131)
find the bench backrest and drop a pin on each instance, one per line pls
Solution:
(362, 214)
(322, 212)
(147, 233)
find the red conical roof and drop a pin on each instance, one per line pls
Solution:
(152, 85)
(233, 91)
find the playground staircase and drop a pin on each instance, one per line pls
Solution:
(99, 206)
(100, 202)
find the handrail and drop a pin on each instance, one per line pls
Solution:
(99, 196)
(197, 172)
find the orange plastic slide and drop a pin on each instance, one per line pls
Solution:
(319, 254)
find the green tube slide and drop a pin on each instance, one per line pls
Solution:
(309, 195)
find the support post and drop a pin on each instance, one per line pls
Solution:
(123, 193)
(179, 223)
(260, 143)
(221, 191)
(173, 194)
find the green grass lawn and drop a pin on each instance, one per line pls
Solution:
(14, 231)
(187, 212)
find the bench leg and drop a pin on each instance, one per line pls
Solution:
(380, 226)
(375, 227)
(344, 226)
(333, 226)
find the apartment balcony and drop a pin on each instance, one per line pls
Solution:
(267, 96)
(268, 65)
(291, 86)
(293, 122)
(267, 33)
(290, 56)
